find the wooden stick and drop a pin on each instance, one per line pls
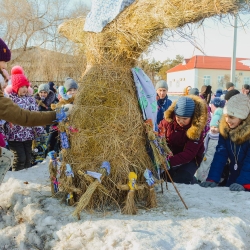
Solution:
(175, 186)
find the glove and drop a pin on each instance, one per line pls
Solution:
(236, 187)
(208, 184)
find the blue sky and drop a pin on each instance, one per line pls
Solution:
(215, 38)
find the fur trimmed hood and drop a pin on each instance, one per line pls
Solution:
(238, 135)
(199, 118)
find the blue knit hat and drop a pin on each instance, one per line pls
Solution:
(161, 84)
(218, 93)
(70, 84)
(185, 107)
(218, 103)
(216, 118)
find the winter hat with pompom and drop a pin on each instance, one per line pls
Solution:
(238, 106)
(18, 79)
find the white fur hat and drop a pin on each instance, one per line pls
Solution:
(238, 106)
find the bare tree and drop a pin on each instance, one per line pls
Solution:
(29, 27)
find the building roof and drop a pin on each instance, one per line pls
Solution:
(210, 62)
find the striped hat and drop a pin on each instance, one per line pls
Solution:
(185, 107)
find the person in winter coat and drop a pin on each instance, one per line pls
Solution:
(20, 138)
(70, 86)
(218, 93)
(217, 103)
(206, 93)
(52, 87)
(234, 143)
(246, 90)
(163, 101)
(44, 97)
(183, 124)
(210, 144)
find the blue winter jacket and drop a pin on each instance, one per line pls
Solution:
(163, 105)
(228, 139)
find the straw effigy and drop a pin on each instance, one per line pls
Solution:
(106, 111)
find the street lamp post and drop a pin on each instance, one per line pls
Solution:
(233, 60)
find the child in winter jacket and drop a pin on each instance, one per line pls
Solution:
(44, 97)
(70, 86)
(234, 143)
(210, 144)
(20, 138)
(183, 124)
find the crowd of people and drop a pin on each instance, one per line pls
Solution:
(209, 135)
(26, 115)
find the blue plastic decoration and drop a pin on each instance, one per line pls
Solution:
(64, 140)
(63, 94)
(52, 155)
(106, 165)
(61, 115)
(69, 171)
(149, 177)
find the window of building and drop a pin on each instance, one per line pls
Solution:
(206, 80)
(247, 80)
(177, 83)
(220, 81)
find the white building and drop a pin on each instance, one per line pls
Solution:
(206, 70)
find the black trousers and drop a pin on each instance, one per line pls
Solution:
(22, 154)
(53, 142)
(183, 174)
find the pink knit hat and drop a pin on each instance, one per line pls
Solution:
(18, 79)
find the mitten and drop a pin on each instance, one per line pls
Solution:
(208, 184)
(236, 187)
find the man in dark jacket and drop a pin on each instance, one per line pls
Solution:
(163, 102)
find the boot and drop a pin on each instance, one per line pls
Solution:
(6, 161)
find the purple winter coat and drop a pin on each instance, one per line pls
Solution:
(17, 132)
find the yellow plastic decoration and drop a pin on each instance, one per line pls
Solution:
(132, 180)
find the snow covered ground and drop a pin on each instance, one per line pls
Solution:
(31, 219)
